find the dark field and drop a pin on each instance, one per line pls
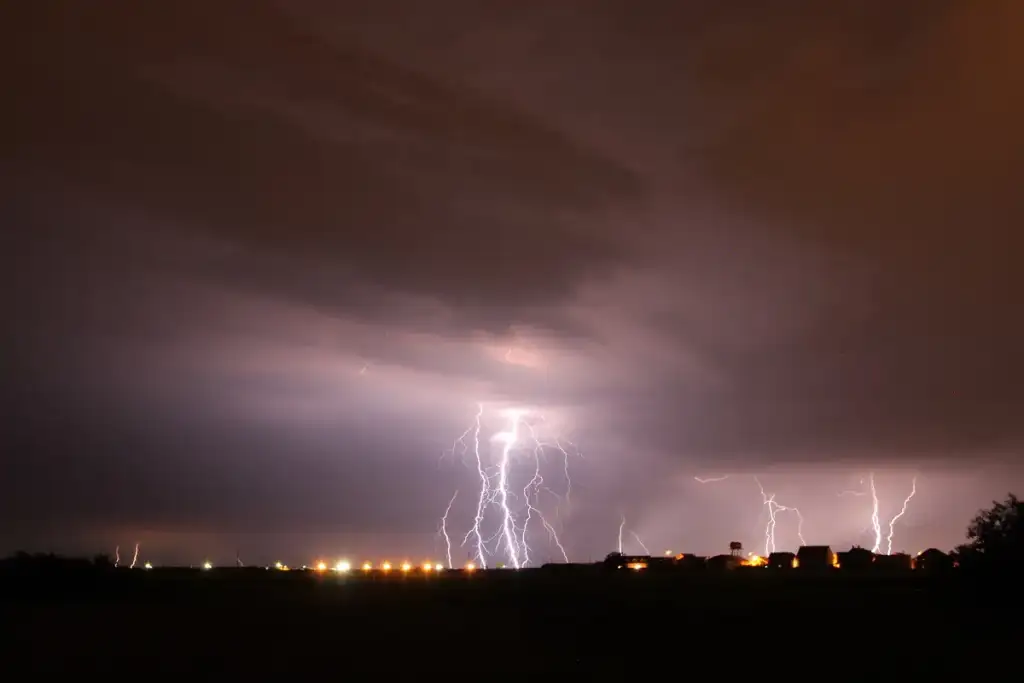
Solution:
(254, 624)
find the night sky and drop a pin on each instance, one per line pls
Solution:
(262, 260)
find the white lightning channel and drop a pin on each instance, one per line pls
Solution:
(875, 523)
(519, 507)
(444, 529)
(532, 491)
(774, 508)
(637, 537)
(485, 487)
(135, 557)
(622, 526)
(903, 511)
(117, 555)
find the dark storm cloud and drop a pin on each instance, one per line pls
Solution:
(269, 255)
(256, 130)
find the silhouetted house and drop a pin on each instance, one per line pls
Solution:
(815, 557)
(620, 561)
(856, 559)
(691, 562)
(933, 560)
(661, 564)
(897, 562)
(781, 560)
(724, 562)
(570, 567)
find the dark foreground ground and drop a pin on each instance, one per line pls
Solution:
(152, 624)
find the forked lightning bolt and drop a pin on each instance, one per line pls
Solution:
(903, 511)
(876, 522)
(773, 509)
(516, 507)
(635, 535)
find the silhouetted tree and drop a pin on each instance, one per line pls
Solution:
(102, 561)
(995, 536)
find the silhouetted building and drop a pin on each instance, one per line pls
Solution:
(897, 562)
(856, 559)
(724, 562)
(815, 557)
(661, 564)
(691, 562)
(620, 561)
(933, 560)
(781, 560)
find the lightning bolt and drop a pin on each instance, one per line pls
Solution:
(774, 508)
(135, 557)
(530, 494)
(444, 529)
(903, 511)
(117, 556)
(710, 480)
(646, 551)
(518, 508)
(635, 535)
(485, 488)
(875, 523)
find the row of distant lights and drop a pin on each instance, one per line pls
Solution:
(344, 567)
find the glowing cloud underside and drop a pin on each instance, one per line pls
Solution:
(510, 469)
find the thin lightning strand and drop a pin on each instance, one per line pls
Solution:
(117, 555)
(774, 508)
(508, 521)
(710, 480)
(622, 526)
(635, 535)
(530, 492)
(903, 511)
(646, 551)
(875, 523)
(444, 529)
(135, 557)
(485, 486)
